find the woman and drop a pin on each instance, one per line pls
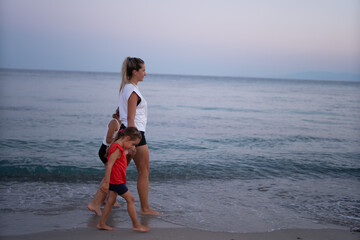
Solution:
(133, 113)
(111, 131)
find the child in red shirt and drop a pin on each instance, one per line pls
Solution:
(115, 178)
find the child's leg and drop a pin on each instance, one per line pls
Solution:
(98, 199)
(107, 209)
(132, 212)
(116, 204)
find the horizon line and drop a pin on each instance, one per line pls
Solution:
(198, 75)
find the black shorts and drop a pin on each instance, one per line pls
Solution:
(120, 189)
(102, 152)
(143, 139)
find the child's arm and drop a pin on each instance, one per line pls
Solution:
(115, 155)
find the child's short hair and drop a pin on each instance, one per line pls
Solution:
(132, 132)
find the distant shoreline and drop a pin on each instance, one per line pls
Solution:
(280, 78)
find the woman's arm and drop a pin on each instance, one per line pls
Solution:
(112, 127)
(132, 103)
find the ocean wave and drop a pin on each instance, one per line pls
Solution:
(260, 168)
(43, 146)
(224, 109)
(15, 108)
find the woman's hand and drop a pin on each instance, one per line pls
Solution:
(131, 152)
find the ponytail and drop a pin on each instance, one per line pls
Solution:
(129, 65)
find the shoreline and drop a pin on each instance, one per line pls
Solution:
(188, 233)
(29, 224)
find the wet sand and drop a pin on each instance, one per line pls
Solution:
(187, 233)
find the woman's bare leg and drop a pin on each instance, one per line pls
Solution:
(141, 160)
(95, 203)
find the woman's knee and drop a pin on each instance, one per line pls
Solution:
(141, 160)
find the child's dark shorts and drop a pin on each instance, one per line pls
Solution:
(120, 189)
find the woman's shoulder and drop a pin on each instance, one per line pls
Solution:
(129, 88)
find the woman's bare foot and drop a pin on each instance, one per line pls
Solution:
(104, 227)
(150, 211)
(116, 204)
(96, 209)
(141, 228)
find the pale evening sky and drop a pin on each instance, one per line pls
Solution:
(257, 38)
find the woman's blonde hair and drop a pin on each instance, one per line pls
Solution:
(129, 65)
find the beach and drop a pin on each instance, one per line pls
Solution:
(254, 159)
(189, 234)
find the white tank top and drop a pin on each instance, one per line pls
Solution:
(141, 109)
(107, 129)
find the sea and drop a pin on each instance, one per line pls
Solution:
(226, 154)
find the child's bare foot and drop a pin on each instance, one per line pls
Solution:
(104, 227)
(96, 209)
(141, 228)
(150, 211)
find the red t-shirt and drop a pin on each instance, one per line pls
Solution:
(118, 171)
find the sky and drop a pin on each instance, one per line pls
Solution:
(257, 38)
